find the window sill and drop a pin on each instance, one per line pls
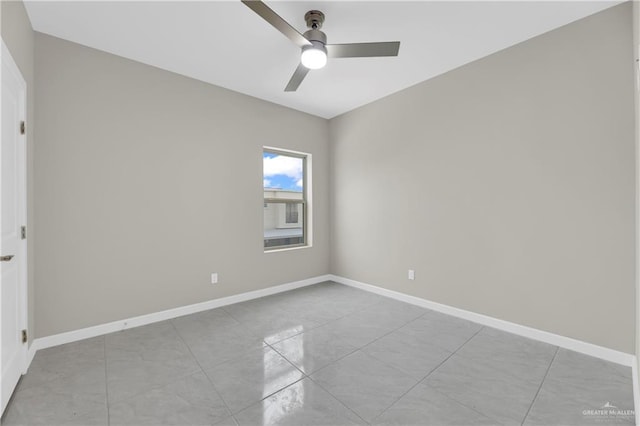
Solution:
(278, 250)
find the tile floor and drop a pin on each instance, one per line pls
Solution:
(321, 355)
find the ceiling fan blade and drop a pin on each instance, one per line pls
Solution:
(298, 75)
(362, 50)
(278, 23)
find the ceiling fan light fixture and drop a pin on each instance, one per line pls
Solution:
(313, 42)
(314, 56)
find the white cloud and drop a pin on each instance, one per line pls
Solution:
(266, 183)
(283, 165)
(299, 183)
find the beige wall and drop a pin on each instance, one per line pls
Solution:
(507, 184)
(19, 38)
(147, 182)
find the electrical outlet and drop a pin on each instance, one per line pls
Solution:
(412, 274)
(214, 278)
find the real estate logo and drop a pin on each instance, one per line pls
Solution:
(609, 412)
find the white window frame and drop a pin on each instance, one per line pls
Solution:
(307, 210)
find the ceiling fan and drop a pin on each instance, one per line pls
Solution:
(313, 42)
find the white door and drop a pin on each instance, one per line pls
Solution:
(13, 353)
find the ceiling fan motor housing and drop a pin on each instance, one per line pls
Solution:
(316, 35)
(314, 19)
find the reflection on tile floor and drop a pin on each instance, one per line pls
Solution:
(320, 355)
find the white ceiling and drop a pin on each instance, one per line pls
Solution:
(226, 44)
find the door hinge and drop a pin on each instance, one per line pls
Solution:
(24, 336)
(23, 232)
(23, 128)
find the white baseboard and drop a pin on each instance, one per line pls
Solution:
(607, 354)
(99, 330)
(532, 333)
(636, 388)
(31, 352)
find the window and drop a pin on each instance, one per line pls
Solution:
(286, 192)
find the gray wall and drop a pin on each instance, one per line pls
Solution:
(507, 184)
(147, 182)
(19, 37)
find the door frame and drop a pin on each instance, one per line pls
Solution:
(8, 64)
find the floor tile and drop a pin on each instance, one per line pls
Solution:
(328, 301)
(357, 329)
(412, 356)
(65, 361)
(229, 421)
(142, 358)
(557, 407)
(580, 371)
(316, 310)
(305, 295)
(577, 388)
(423, 405)
(269, 319)
(252, 377)
(79, 399)
(442, 330)
(369, 359)
(494, 393)
(364, 384)
(302, 403)
(313, 349)
(213, 344)
(280, 327)
(205, 323)
(188, 401)
(357, 299)
(255, 310)
(57, 416)
(366, 325)
(392, 313)
(521, 357)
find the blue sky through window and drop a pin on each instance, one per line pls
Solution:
(282, 172)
